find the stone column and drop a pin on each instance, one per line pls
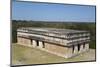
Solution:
(34, 43)
(40, 44)
(81, 48)
(69, 52)
(75, 49)
(87, 46)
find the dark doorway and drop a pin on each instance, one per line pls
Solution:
(73, 49)
(31, 42)
(43, 44)
(78, 47)
(37, 42)
(83, 45)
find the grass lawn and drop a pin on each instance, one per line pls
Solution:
(22, 55)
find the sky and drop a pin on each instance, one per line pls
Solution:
(52, 12)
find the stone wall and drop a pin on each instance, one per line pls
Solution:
(23, 41)
(59, 50)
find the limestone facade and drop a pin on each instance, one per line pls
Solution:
(65, 47)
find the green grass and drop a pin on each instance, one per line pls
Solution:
(93, 44)
(26, 55)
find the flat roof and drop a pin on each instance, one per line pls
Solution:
(53, 30)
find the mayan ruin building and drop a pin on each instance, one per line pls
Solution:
(62, 42)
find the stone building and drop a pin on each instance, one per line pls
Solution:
(62, 42)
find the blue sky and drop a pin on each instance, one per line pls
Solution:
(52, 12)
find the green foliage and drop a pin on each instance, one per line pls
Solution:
(14, 33)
